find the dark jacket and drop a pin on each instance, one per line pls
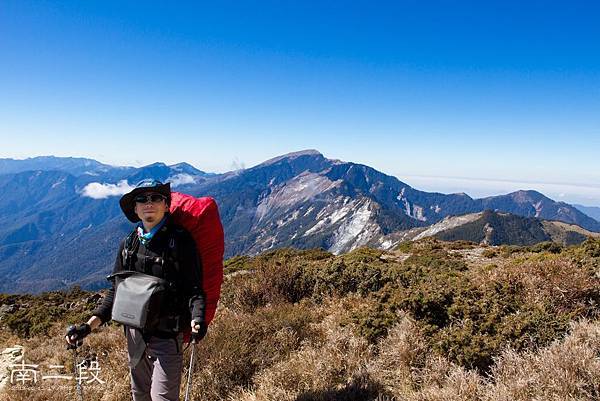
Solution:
(189, 302)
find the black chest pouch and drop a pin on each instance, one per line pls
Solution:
(140, 299)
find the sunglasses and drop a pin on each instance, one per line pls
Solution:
(154, 198)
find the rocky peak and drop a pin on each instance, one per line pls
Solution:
(185, 168)
(527, 196)
(311, 153)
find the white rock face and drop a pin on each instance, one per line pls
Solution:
(302, 188)
(288, 219)
(407, 208)
(436, 208)
(418, 213)
(57, 183)
(310, 209)
(331, 214)
(386, 243)
(356, 231)
(488, 231)
(414, 211)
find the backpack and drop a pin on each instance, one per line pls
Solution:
(200, 217)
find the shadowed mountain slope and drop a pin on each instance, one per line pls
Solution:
(60, 224)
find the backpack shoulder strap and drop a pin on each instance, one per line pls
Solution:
(177, 236)
(132, 243)
(171, 251)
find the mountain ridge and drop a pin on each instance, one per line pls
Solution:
(64, 227)
(591, 211)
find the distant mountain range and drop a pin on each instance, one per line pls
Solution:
(593, 212)
(60, 222)
(71, 165)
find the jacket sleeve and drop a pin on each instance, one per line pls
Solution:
(104, 311)
(192, 275)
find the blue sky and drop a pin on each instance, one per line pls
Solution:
(481, 98)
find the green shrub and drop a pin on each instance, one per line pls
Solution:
(275, 304)
(235, 264)
(471, 315)
(548, 246)
(291, 275)
(591, 248)
(507, 251)
(461, 244)
(361, 271)
(404, 247)
(35, 315)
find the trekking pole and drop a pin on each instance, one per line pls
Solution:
(72, 330)
(195, 338)
(189, 378)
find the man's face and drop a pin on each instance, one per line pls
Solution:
(150, 207)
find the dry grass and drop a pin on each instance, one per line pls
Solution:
(335, 369)
(240, 345)
(107, 345)
(407, 370)
(401, 360)
(288, 330)
(544, 279)
(566, 370)
(332, 363)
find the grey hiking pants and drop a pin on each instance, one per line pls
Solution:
(155, 366)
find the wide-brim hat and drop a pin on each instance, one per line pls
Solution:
(127, 201)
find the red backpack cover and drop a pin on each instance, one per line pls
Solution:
(200, 216)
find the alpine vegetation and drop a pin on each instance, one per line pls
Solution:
(428, 320)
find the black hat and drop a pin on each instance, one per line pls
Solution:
(127, 201)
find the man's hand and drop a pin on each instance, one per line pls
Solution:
(76, 334)
(199, 329)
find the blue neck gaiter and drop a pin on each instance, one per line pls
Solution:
(146, 237)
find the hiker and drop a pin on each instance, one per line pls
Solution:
(162, 250)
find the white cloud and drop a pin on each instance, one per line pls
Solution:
(236, 164)
(181, 179)
(96, 190)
